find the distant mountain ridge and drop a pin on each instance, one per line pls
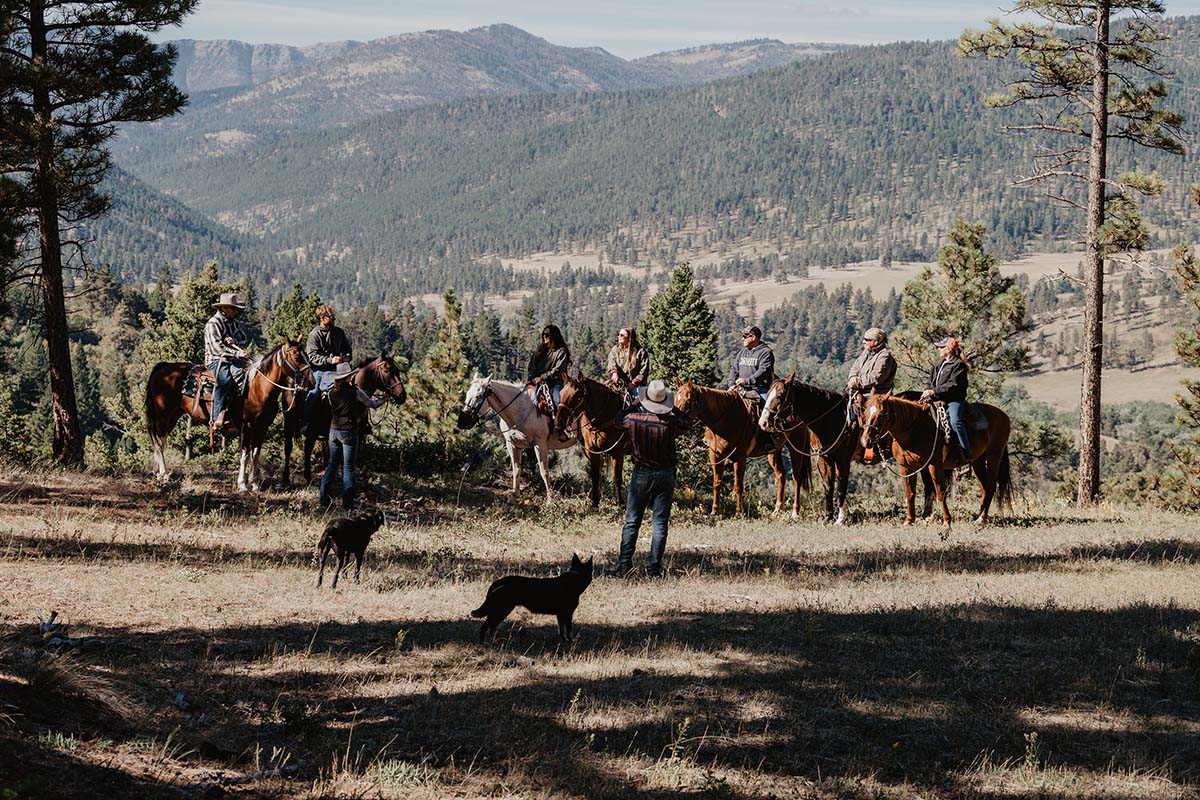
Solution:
(205, 65)
(715, 61)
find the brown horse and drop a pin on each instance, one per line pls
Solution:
(593, 407)
(732, 435)
(374, 374)
(917, 442)
(292, 403)
(166, 403)
(792, 404)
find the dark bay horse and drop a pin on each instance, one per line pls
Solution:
(593, 407)
(375, 374)
(833, 439)
(166, 403)
(732, 435)
(292, 403)
(917, 443)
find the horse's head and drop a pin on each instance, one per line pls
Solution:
(477, 395)
(776, 397)
(382, 374)
(686, 399)
(572, 402)
(291, 353)
(876, 416)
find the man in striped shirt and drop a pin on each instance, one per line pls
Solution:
(225, 341)
(652, 430)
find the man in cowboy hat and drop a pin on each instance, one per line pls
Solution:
(652, 429)
(327, 348)
(753, 368)
(225, 341)
(348, 406)
(875, 368)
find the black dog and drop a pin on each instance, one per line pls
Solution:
(350, 535)
(558, 596)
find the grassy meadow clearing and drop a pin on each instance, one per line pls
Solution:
(1053, 654)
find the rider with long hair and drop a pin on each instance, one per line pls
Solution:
(549, 362)
(948, 384)
(628, 362)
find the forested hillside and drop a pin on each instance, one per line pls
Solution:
(868, 152)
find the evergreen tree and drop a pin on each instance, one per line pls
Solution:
(180, 336)
(677, 331)
(75, 69)
(1082, 75)
(294, 315)
(87, 391)
(1187, 344)
(967, 298)
(435, 387)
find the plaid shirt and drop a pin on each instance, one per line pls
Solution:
(216, 330)
(652, 437)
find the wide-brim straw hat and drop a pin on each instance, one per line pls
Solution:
(656, 398)
(229, 299)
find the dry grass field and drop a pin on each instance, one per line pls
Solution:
(1054, 654)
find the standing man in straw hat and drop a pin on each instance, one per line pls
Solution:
(652, 429)
(348, 406)
(225, 341)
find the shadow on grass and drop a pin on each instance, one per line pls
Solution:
(908, 698)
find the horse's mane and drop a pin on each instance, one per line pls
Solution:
(821, 392)
(726, 397)
(907, 409)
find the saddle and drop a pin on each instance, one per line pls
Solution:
(544, 400)
(199, 383)
(973, 416)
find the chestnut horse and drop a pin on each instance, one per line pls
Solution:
(917, 442)
(792, 404)
(732, 435)
(166, 403)
(591, 408)
(374, 374)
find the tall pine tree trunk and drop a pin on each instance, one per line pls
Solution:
(1093, 268)
(68, 443)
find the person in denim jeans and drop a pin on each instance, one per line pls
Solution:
(948, 384)
(652, 430)
(348, 404)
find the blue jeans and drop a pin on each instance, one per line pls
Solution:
(324, 380)
(343, 447)
(555, 393)
(229, 379)
(654, 488)
(954, 410)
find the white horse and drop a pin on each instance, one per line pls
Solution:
(520, 424)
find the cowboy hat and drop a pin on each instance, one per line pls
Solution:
(656, 398)
(948, 341)
(344, 370)
(229, 299)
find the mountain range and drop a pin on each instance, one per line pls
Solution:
(831, 159)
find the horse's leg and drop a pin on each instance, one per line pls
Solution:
(514, 458)
(718, 471)
(795, 482)
(775, 459)
(542, 451)
(843, 486)
(187, 438)
(241, 480)
(828, 477)
(939, 484)
(739, 477)
(910, 490)
(927, 486)
(618, 469)
(255, 480)
(309, 441)
(597, 476)
(987, 477)
(286, 477)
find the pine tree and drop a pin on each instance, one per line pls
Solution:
(180, 336)
(87, 391)
(1082, 77)
(969, 299)
(677, 331)
(294, 315)
(1187, 345)
(74, 70)
(435, 387)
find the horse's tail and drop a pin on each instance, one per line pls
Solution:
(151, 408)
(1004, 482)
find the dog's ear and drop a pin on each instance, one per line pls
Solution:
(575, 562)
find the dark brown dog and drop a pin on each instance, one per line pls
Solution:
(558, 596)
(350, 535)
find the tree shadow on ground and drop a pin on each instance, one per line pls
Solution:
(908, 697)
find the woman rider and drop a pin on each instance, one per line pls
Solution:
(948, 383)
(549, 363)
(628, 362)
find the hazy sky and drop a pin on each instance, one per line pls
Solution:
(628, 28)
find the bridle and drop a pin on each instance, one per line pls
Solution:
(484, 394)
(575, 422)
(289, 369)
(868, 427)
(376, 368)
(788, 387)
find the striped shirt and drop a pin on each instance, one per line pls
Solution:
(216, 330)
(652, 437)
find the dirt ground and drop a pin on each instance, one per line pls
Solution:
(1052, 654)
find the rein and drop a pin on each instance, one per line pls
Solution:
(933, 451)
(278, 359)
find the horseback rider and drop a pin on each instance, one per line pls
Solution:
(753, 368)
(628, 364)
(225, 342)
(948, 384)
(548, 365)
(873, 370)
(326, 348)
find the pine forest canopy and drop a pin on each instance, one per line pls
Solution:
(830, 160)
